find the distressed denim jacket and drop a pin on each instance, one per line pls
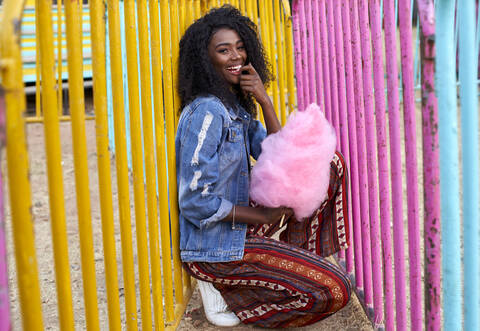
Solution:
(212, 176)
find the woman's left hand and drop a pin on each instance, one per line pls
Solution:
(250, 82)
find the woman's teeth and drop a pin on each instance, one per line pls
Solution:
(234, 69)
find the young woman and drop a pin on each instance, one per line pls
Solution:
(243, 274)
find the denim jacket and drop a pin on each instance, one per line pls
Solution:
(212, 176)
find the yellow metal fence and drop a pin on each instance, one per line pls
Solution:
(144, 285)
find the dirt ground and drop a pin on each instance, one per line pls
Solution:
(352, 317)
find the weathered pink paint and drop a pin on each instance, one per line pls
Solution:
(342, 99)
(318, 58)
(298, 54)
(395, 163)
(310, 52)
(382, 155)
(404, 8)
(5, 323)
(361, 159)
(371, 162)
(431, 172)
(333, 69)
(304, 53)
(353, 167)
(325, 56)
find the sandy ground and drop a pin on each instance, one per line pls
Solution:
(352, 317)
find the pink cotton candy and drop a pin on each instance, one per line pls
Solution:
(293, 169)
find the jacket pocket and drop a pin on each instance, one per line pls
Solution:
(233, 148)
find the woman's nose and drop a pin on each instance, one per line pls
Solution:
(235, 54)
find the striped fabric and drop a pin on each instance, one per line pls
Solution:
(287, 282)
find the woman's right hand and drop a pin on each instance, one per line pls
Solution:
(258, 215)
(272, 215)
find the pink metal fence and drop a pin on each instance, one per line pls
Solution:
(348, 61)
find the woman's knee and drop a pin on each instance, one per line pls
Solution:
(343, 291)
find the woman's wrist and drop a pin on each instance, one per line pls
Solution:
(265, 102)
(246, 214)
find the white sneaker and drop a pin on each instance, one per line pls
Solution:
(216, 309)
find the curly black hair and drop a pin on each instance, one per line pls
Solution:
(196, 73)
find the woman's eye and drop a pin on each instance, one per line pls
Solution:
(222, 51)
(241, 47)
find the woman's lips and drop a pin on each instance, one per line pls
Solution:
(235, 70)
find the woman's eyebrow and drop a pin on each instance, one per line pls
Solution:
(228, 44)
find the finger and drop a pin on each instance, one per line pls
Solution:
(249, 68)
(247, 78)
(247, 82)
(248, 87)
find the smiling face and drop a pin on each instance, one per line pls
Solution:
(228, 55)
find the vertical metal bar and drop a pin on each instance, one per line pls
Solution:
(54, 167)
(242, 6)
(186, 278)
(281, 64)
(59, 56)
(310, 52)
(264, 29)
(174, 22)
(169, 108)
(148, 145)
(122, 163)
(382, 155)
(189, 14)
(249, 6)
(97, 32)
(77, 109)
(172, 121)
(322, 16)
(5, 322)
(371, 161)
(272, 55)
(317, 49)
(159, 142)
(449, 181)
(255, 10)
(298, 55)
(352, 142)
(362, 162)
(342, 99)
(181, 16)
(304, 54)
(137, 163)
(331, 19)
(395, 163)
(470, 179)
(17, 164)
(332, 69)
(405, 24)
(197, 8)
(432, 241)
(38, 68)
(290, 60)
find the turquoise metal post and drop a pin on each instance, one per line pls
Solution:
(469, 103)
(449, 181)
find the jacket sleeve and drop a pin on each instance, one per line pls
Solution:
(199, 166)
(256, 134)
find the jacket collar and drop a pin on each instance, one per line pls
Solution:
(238, 112)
